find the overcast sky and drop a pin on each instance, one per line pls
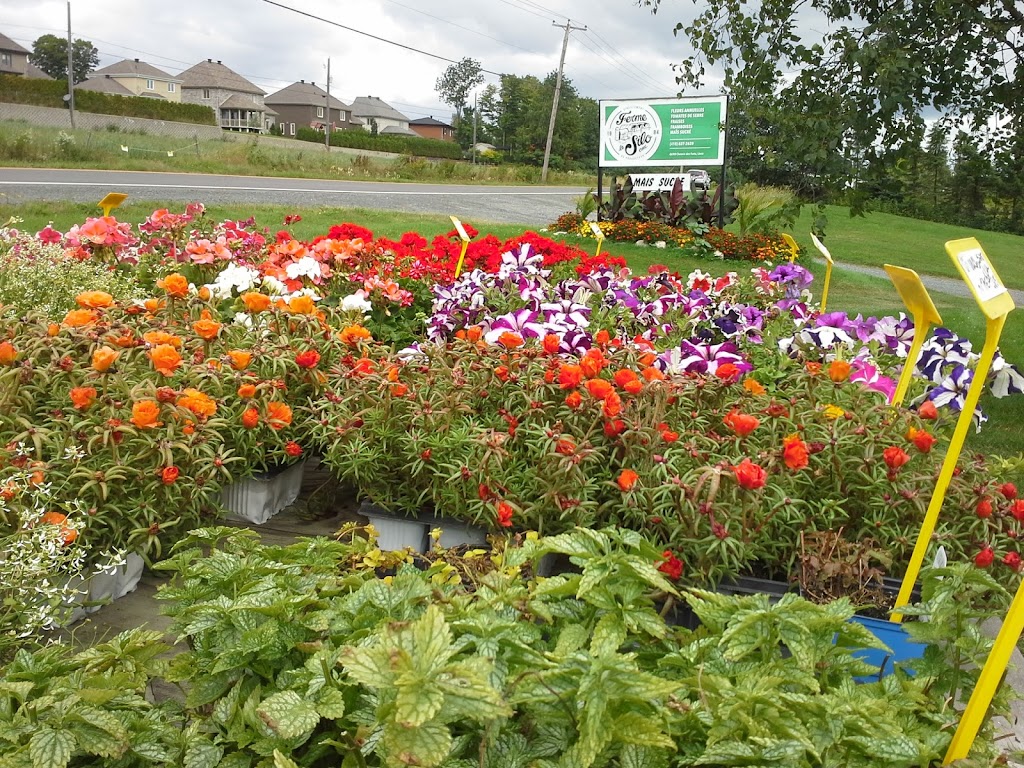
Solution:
(626, 50)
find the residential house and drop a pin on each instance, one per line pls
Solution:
(429, 128)
(375, 112)
(142, 79)
(306, 105)
(237, 102)
(32, 72)
(103, 84)
(13, 57)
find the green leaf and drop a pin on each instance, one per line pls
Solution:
(571, 639)
(288, 715)
(432, 641)
(201, 753)
(636, 756)
(417, 701)
(331, 704)
(425, 746)
(20, 690)
(50, 748)
(609, 635)
(368, 666)
(280, 761)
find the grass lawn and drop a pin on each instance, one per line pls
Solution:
(850, 292)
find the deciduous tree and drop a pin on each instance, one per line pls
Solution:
(50, 54)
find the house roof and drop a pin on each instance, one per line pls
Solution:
(32, 72)
(135, 68)
(393, 130)
(371, 106)
(304, 94)
(104, 84)
(428, 121)
(238, 101)
(6, 44)
(213, 74)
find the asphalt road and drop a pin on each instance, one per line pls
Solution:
(535, 206)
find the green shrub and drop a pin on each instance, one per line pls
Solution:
(403, 145)
(764, 209)
(50, 93)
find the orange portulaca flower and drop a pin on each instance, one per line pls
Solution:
(154, 305)
(301, 305)
(206, 328)
(627, 479)
(156, 338)
(83, 397)
(753, 386)
(77, 318)
(8, 353)
(175, 285)
(94, 300)
(240, 359)
(839, 370)
(103, 358)
(353, 334)
(198, 402)
(165, 359)
(247, 391)
(146, 414)
(510, 340)
(279, 415)
(600, 388)
(255, 302)
(250, 418)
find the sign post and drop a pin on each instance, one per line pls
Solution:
(110, 201)
(464, 236)
(599, 234)
(995, 303)
(922, 309)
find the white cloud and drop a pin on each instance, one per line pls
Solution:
(626, 52)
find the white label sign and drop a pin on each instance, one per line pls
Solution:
(980, 274)
(460, 229)
(598, 233)
(660, 182)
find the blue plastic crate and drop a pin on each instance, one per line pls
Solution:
(895, 637)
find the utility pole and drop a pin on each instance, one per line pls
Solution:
(558, 90)
(474, 127)
(71, 71)
(327, 109)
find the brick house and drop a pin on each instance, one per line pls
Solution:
(429, 128)
(141, 79)
(305, 104)
(237, 103)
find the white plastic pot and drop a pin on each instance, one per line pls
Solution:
(257, 499)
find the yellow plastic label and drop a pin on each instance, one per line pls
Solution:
(922, 309)
(110, 201)
(794, 249)
(822, 249)
(598, 232)
(981, 277)
(460, 229)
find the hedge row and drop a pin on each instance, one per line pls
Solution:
(403, 145)
(50, 93)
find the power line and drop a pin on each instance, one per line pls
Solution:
(367, 34)
(605, 59)
(614, 52)
(459, 26)
(528, 10)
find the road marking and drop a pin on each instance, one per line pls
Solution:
(118, 184)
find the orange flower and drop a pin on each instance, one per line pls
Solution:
(53, 329)
(750, 475)
(839, 370)
(145, 414)
(247, 391)
(727, 372)
(753, 386)
(83, 397)
(363, 366)
(175, 285)
(250, 418)
(205, 294)
(569, 376)
(94, 300)
(103, 358)
(206, 328)
(353, 334)
(255, 302)
(794, 452)
(399, 389)
(741, 423)
(154, 305)
(279, 415)
(623, 376)
(600, 388)
(474, 333)
(68, 534)
(602, 337)
(155, 338)
(510, 340)
(647, 359)
(612, 405)
(627, 479)
(301, 305)
(393, 372)
(8, 353)
(921, 438)
(928, 410)
(652, 374)
(76, 318)
(125, 340)
(198, 402)
(552, 343)
(592, 363)
(813, 368)
(240, 359)
(165, 359)
(574, 400)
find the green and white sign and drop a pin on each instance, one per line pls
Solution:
(663, 132)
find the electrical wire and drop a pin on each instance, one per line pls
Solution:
(602, 42)
(459, 26)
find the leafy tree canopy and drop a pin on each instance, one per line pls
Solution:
(869, 71)
(456, 83)
(50, 54)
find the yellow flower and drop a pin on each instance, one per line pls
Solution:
(834, 411)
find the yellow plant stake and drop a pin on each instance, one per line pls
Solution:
(919, 303)
(995, 303)
(599, 234)
(794, 249)
(828, 268)
(112, 201)
(465, 243)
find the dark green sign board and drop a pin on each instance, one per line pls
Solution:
(663, 132)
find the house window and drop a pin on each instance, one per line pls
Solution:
(319, 111)
(291, 129)
(6, 59)
(206, 93)
(255, 99)
(170, 87)
(149, 85)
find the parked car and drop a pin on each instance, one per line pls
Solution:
(699, 179)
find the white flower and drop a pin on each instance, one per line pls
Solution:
(234, 278)
(307, 266)
(356, 302)
(243, 318)
(719, 255)
(273, 285)
(659, 244)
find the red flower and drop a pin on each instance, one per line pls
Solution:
(921, 439)
(1017, 510)
(728, 372)
(425, 455)
(984, 558)
(602, 337)
(794, 452)
(169, 475)
(612, 405)
(505, 512)
(574, 400)
(600, 388)
(1009, 490)
(669, 436)
(741, 423)
(552, 344)
(292, 448)
(307, 359)
(565, 447)
(627, 479)
(895, 457)
(928, 410)
(501, 372)
(984, 508)
(250, 418)
(569, 376)
(1012, 559)
(671, 565)
(750, 475)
